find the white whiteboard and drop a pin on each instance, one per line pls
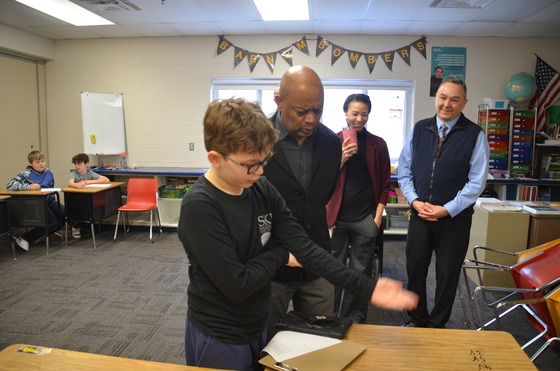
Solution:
(103, 123)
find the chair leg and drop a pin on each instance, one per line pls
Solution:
(159, 225)
(93, 236)
(151, 216)
(117, 226)
(545, 345)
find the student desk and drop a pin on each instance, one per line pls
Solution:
(5, 227)
(413, 348)
(92, 204)
(58, 359)
(29, 209)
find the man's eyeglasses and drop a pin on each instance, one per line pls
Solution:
(251, 169)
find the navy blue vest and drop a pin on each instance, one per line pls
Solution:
(439, 174)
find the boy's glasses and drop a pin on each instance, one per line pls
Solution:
(251, 169)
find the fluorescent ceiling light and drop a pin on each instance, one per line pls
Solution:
(67, 12)
(283, 10)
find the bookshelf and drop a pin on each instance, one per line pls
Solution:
(511, 137)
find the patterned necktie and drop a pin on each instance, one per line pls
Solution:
(442, 132)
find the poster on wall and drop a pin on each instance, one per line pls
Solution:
(447, 62)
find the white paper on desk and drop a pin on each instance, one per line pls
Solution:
(50, 189)
(289, 344)
(97, 185)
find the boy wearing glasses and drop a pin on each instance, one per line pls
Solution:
(227, 221)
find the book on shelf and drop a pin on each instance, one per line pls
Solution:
(542, 208)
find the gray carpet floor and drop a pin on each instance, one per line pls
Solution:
(128, 299)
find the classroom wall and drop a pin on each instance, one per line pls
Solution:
(166, 83)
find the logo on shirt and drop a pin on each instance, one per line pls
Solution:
(265, 226)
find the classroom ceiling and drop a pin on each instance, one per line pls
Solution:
(156, 18)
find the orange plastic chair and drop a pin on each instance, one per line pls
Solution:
(142, 196)
(553, 304)
(479, 265)
(534, 278)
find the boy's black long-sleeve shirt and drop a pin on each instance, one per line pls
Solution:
(231, 262)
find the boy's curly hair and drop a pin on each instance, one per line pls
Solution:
(237, 125)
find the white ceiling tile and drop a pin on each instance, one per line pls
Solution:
(434, 28)
(283, 27)
(216, 17)
(385, 27)
(481, 29)
(550, 14)
(528, 30)
(512, 10)
(337, 9)
(396, 10)
(447, 14)
(242, 28)
(337, 27)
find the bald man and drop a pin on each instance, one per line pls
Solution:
(304, 169)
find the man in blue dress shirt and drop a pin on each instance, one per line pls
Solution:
(442, 171)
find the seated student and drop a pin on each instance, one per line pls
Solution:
(35, 177)
(237, 231)
(82, 176)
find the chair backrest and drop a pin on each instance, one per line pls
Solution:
(526, 254)
(534, 273)
(142, 191)
(553, 303)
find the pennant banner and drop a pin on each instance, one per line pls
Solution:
(370, 58)
(420, 45)
(404, 52)
(354, 57)
(337, 51)
(269, 58)
(287, 55)
(223, 45)
(239, 56)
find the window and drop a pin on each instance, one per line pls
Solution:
(390, 112)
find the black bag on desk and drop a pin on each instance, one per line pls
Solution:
(334, 327)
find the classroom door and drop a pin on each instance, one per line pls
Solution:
(21, 98)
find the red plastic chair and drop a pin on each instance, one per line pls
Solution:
(142, 196)
(535, 278)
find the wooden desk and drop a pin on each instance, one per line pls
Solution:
(29, 209)
(92, 204)
(412, 348)
(5, 226)
(58, 359)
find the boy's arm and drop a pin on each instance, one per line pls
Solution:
(210, 246)
(20, 182)
(72, 181)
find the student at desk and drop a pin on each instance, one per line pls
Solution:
(33, 178)
(81, 177)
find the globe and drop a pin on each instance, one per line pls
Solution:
(520, 88)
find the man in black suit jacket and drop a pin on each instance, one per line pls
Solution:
(304, 169)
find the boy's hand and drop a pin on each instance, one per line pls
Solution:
(292, 262)
(35, 187)
(389, 294)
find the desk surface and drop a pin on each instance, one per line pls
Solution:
(58, 359)
(3, 197)
(412, 348)
(92, 189)
(166, 171)
(6, 191)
